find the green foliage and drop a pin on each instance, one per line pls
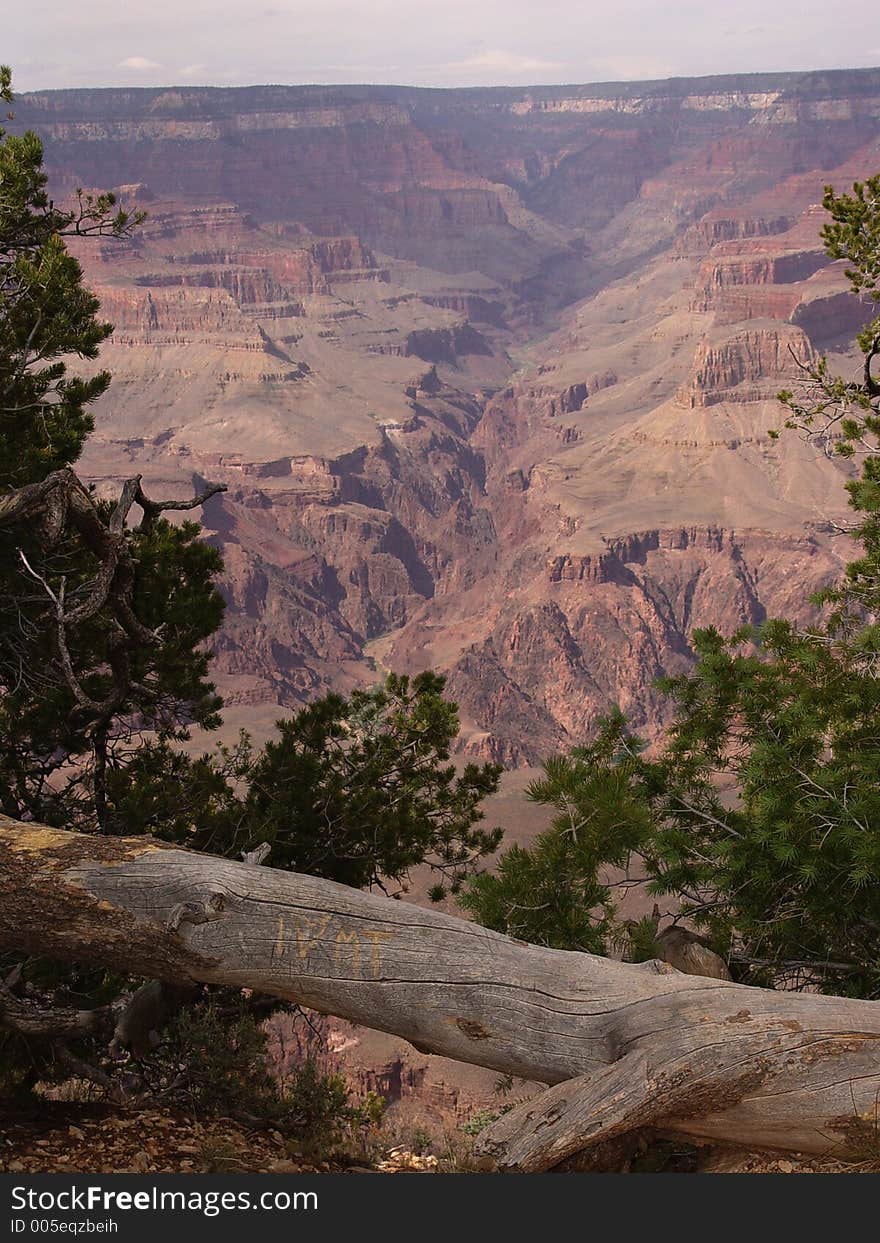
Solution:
(357, 790)
(793, 869)
(853, 233)
(638, 939)
(480, 1119)
(842, 415)
(46, 769)
(760, 815)
(552, 894)
(163, 792)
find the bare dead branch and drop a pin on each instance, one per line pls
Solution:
(152, 509)
(26, 1018)
(61, 504)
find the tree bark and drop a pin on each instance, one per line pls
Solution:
(627, 1045)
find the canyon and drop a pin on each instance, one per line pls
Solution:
(489, 375)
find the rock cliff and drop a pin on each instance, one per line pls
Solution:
(489, 374)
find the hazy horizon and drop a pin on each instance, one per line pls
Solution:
(423, 43)
(402, 85)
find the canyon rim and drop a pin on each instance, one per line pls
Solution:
(488, 373)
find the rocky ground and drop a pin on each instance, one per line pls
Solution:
(74, 1138)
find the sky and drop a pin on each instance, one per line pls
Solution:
(56, 43)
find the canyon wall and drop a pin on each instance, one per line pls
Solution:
(489, 374)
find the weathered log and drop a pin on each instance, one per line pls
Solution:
(628, 1045)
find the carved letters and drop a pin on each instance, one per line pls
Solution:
(352, 951)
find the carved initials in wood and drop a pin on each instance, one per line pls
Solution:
(310, 932)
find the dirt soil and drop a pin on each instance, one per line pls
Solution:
(66, 1137)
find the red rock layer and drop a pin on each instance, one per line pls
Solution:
(489, 374)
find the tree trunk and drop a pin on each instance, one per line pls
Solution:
(626, 1045)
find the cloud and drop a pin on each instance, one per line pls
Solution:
(498, 61)
(192, 71)
(141, 63)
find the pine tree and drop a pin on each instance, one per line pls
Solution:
(355, 789)
(79, 676)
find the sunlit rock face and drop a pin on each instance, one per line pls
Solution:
(489, 374)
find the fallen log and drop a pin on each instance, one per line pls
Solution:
(625, 1045)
